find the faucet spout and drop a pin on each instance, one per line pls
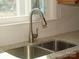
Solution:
(32, 35)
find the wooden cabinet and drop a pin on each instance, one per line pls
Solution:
(68, 1)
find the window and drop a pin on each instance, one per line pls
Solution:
(7, 8)
(22, 8)
(39, 4)
(48, 7)
(10, 8)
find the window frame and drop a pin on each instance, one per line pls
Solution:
(20, 17)
(25, 18)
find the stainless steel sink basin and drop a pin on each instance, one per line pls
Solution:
(56, 45)
(22, 52)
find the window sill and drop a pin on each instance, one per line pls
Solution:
(18, 20)
(5, 21)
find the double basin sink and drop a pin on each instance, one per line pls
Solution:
(41, 49)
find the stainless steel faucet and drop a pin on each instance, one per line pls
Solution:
(33, 36)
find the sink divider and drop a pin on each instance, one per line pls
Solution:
(55, 45)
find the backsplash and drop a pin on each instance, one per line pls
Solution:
(68, 20)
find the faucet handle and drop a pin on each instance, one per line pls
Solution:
(36, 34)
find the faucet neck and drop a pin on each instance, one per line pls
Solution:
(32, 35)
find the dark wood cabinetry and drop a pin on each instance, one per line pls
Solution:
(68, 1)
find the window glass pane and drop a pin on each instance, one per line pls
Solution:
(35, 4)
(7, 8)
(39, 4)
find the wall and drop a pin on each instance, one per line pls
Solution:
(68, 20)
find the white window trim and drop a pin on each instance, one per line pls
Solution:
(25, 19)
(19, 18)
(23, 7)
(20, 9)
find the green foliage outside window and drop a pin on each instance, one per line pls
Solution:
(7, 5)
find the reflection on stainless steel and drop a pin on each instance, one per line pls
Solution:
(32, 35)
(56, 45)
(35, 52)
